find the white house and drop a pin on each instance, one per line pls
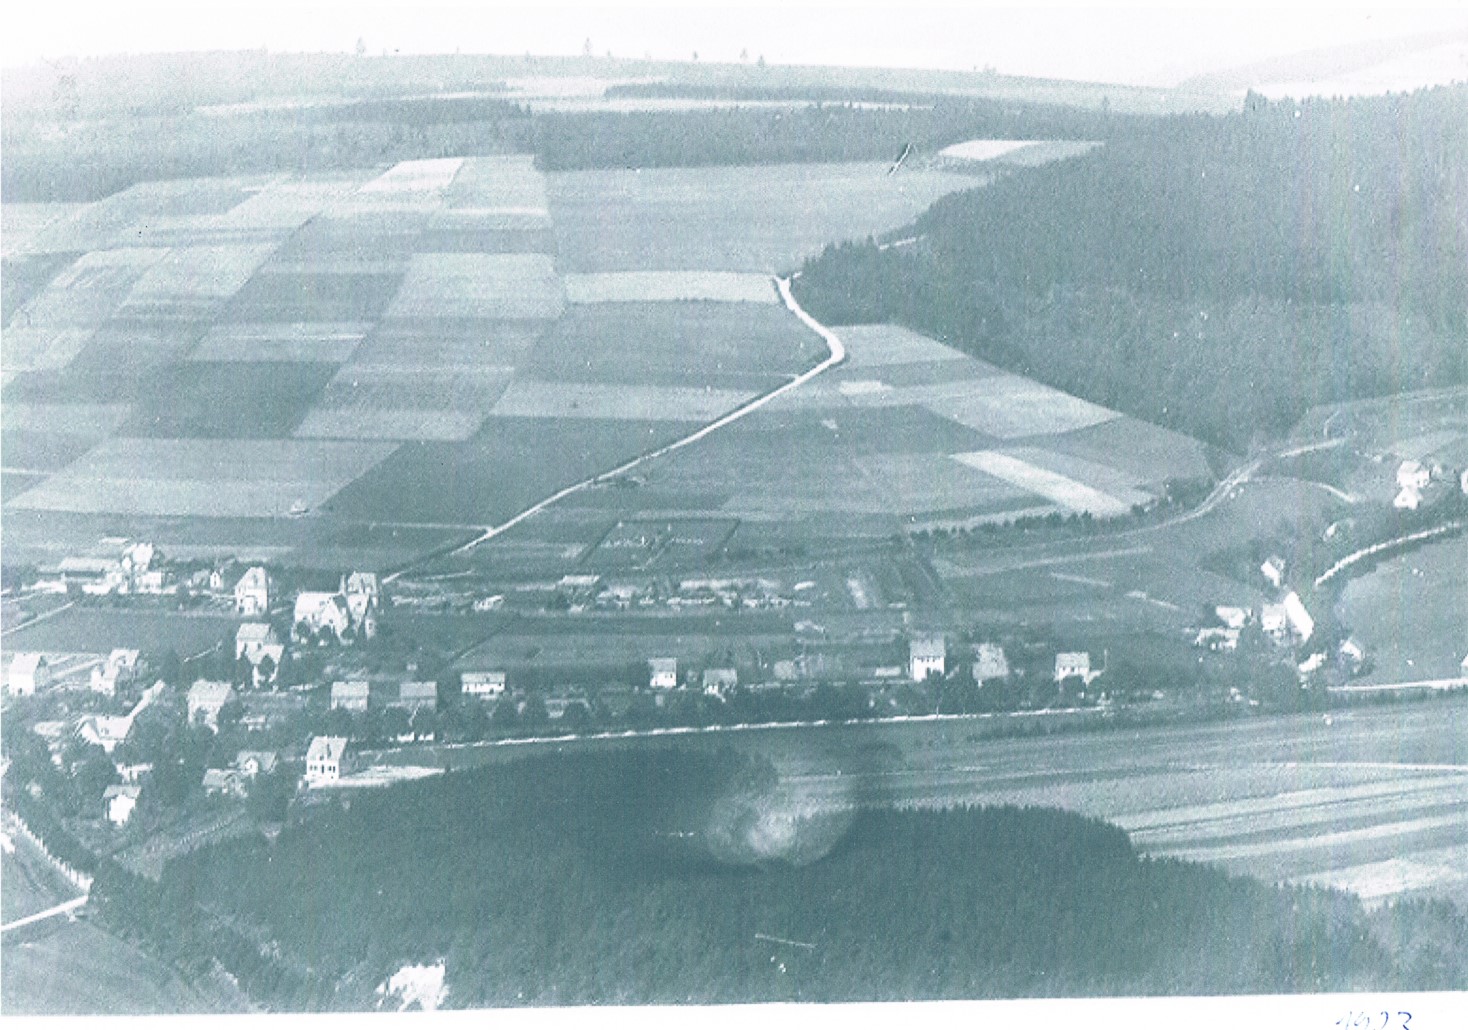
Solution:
(255, 642)
(926, 653)
(252, 592)
(1074, 664)
(1301, 624)
(119, 800)
(990, 663)
(1233, 617)
(482, 684)
(352, 695)
(326, 760)
(1274, 570)
(662, 673)
(316, 611)
(206, 698)
(718, 682)
(363, 595)
(104, 731)
(250, 764)
(1413, 475)
(28, 673)
(1273, 620)
(1407, 499)
(1217, 638)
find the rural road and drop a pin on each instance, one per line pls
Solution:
(54, 910)
(836, 356)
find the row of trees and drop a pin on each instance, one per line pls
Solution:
(1217, 275)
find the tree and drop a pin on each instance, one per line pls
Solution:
(396, 722)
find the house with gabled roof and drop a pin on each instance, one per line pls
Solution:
(28, 673)
(252, 592)
(327, 761)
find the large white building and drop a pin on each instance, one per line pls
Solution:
(482, 684)
(662, 673)
(252, 593)
(926, 655)
(27, 674)
(326, 760)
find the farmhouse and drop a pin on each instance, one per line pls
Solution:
(28, 673)
(1217, 638)
(206, 698)
(351, 695)
(118, 802)
(416, 694)
(1407, 499)
(1074, 665)
(990, 663)
(252, 592)
(925, 656)
(1413, 475)
(319, 614)
(662, 673)
(482, 684)
(718, 682)
(327, 760)
(119, 668)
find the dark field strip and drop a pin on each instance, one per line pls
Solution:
(313, 297)
(232, 400)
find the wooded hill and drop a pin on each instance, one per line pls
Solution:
(1215, 275)
(662, 875)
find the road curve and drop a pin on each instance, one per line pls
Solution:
(836, 356)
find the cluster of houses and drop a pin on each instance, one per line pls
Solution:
(115, 565)
(351, 613)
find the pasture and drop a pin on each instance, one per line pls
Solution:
(730, 287)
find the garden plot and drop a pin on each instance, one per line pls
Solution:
(538, 399)
(1061, 490)
(38, 350)
(732, 287)
(767, 219)
(221, 478)
(281, 341)
(504, 184)
(508, 286)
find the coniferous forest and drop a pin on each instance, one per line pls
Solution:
(676, 875)
(1217, 275)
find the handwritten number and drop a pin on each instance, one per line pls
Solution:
(1406, 1019)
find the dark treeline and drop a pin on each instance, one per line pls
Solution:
(91, 160)
(813, 93)
(1217, 275)
(660, 875)
(814, 132)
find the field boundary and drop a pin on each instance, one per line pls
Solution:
(836, 356)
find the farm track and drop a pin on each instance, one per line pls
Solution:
(836, 356)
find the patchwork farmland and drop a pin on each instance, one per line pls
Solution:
(399, 355)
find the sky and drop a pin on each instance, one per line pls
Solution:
(1152, 45)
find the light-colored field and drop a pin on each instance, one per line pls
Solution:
(416, 344)
(871, 346)
(1011, 406)
(508, 286)
(979, 150)
(532, 398)
(359, 386)
(206, 478)
(209, 272)
(734, 287)
(1017, 153)
(509, 183)
(1065, 492)
(35, 350)
(21, 224)
(66, 419)
(390, 424)
(424, 176)
(90, 289)
(281, 341)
